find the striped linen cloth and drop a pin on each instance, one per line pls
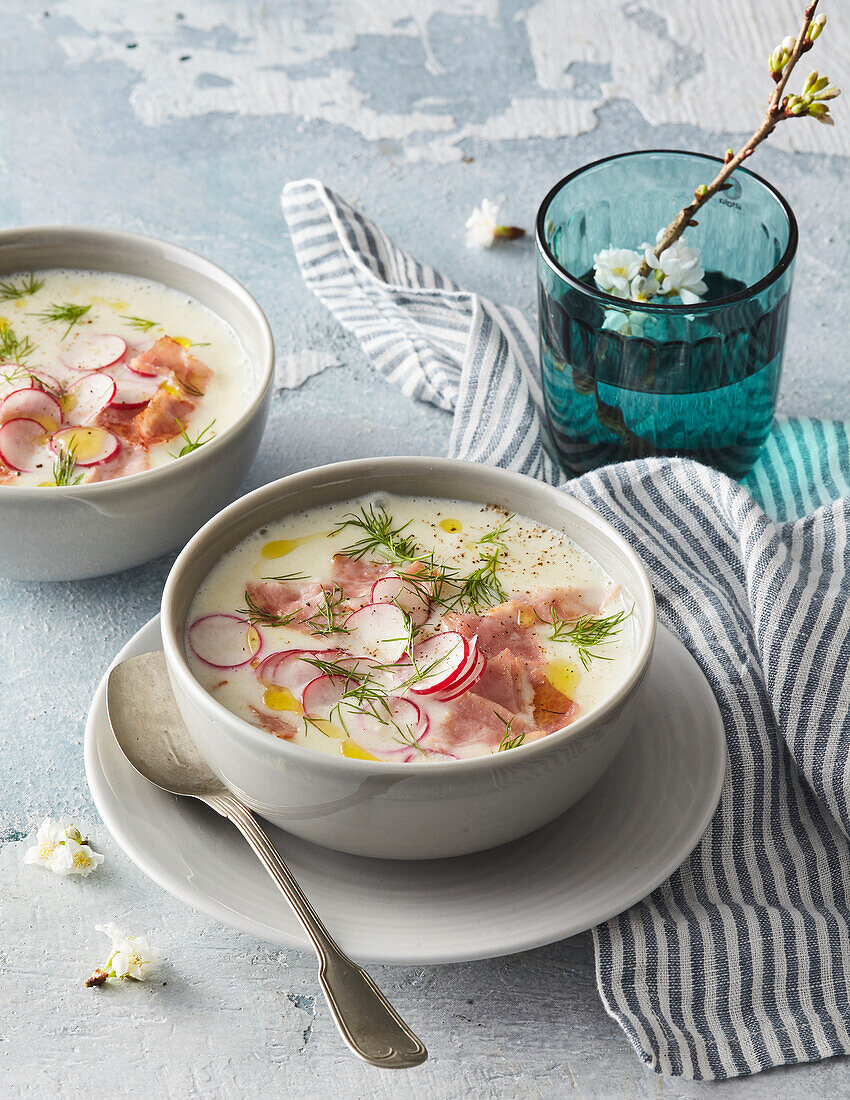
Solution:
(741, 960)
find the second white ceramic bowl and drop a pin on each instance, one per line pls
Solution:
(52, 533)
(406, 811)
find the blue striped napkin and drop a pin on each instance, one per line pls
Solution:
(741, 960)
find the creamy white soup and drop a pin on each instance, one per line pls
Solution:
(409, 630)
(105, 375)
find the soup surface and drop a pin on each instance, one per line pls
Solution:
(104, 375)
(409, 630)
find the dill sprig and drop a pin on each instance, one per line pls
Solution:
(140, 323)
(192, 444)
(10, 292)
(378, 535)
(509, 740)
(65, 467)
(189, 388)
(586, 632)
(13, 350)
(323, 621)
(286, 578)
(67, 314)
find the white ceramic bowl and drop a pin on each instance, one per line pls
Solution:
(53, 533)
(406, 811)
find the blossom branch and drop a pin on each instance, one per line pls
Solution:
(811, 102)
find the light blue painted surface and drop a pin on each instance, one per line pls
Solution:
(80, 143)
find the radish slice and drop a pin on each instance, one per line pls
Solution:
(89, 396)
(94, 351)
(441, 662)
(22, 443)
(390, 730)
(134, 390)
(410, 596)
(32, 404)
(290, 668)
(224, 641)
(468, 681)
(322, 694)
(379, 630)
(89, 446)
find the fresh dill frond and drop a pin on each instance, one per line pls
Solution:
(140, 323)
(16, 374)
(496, 537)
(261, 616)
(67, 314)
(192, 444)
(378, 535)
(9, 291)
(509, 740)
(189, 388)
(586, 632)
(13, 350)
(285, 578)
(65, 467)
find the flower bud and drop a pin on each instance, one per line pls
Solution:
(815, 27)
(701, 190)
(778, 60)
(820, 113)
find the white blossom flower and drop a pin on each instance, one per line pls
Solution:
(73, 858)
(132, 956)
(626, 322)
(614, 269)
(679, 270)
(62, 850)
(483, 229)
(48, 838)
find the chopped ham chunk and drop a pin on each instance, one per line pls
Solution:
(507, 682)
(271, 723)
(128, 460)
(167, 356)
(504, 627)
(473, 723)
(163, 417)
(356, 576)
(551, 708)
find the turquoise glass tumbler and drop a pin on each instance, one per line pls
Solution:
(624, 379)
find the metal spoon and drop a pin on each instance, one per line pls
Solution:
(152, 735)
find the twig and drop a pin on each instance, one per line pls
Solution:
(777, 110)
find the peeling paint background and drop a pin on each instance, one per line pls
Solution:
(184, 121)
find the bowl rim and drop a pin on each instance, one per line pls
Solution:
(339, 471)
(198, 263)
(609, 300)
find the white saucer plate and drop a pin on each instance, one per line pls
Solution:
(624, 838)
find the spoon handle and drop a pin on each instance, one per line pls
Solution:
(366, 1020)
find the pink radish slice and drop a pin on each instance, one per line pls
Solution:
(91, 393)
(32, 404)
(291, 669)
(23, 442)
(134, 390)
(90, 446)
(378, 630)
(404, 592)
(435, 755)
(441, 661)
(94, 351)
(469, 681)
(322, 694)
(224, 641)
(386, 730)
